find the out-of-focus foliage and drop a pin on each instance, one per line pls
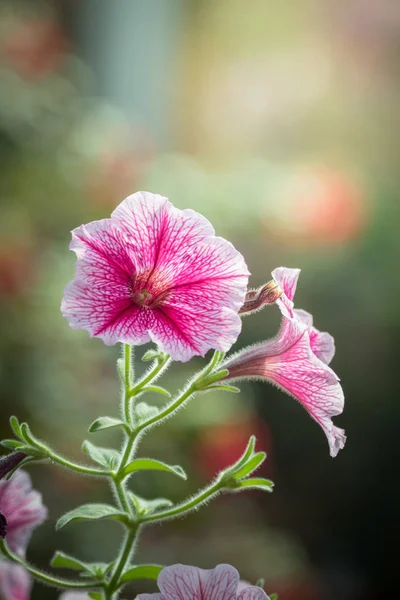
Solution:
(280, 123)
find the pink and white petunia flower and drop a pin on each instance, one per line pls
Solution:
(23, 509)
(289, 362)
(155, 273)
(322, 343)
(182, 582)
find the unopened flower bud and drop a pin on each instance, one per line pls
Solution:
(256, 299)
(9, 462)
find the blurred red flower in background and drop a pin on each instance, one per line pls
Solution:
(317, 206)
(34, 47)
(219, 446)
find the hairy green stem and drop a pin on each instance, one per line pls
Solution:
(186, 506)
(73, 466)
(47, 577)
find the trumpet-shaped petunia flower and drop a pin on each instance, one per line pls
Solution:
(182, 582)
(23, 509)
(15, 581)
(155, 273)
(289, 362)
(322, 343)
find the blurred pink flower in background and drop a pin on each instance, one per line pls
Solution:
(182, 582)
(22, 507)
(153, 272)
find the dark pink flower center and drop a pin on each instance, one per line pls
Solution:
(150, 290)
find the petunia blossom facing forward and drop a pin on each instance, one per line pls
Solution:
(155, 273)
(23, 509)
(182, 582)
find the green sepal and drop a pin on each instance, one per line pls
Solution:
(260, 583)
(149, 464)
(251, 465)
(92, 512)
(255, 483)
(15, 426)
(147, 507)
(106, 423)
(204, 383)
(152, 354)
(106, 457)
(224, 388)
(141, 572)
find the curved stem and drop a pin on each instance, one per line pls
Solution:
(153, 373)
(73, 466)
(123, 559)
(47, 577)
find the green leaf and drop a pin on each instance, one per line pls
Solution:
(92, 512)
(11, 444)
(157, 389)
(273, 597)
(105, 423)
(144, 412)
(145, 507)
(95, 595)
(248, 453)
(257, 483)
(14, 424)
(148, 464)
(63, 561)
(260, 583)
(141, 572)
(251, 465)
(107, 457)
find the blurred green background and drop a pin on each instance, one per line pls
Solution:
(280, 122)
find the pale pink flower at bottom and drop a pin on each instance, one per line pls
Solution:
(289, 362)
(155, 273)
(15, 581)
(182, 582)
(23, 509)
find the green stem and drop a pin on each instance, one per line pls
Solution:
(47, 577)
(186, 506)
(127, 383)
(68, 464)
(153, 373)
(122, 561)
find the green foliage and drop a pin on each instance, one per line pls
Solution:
(106, 457)
(148, 464)
(105, 423)
(141, 572)
(92, 512)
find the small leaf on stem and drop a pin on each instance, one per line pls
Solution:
(148, 464)
(105, 423)
(92, 512)
(141, 572)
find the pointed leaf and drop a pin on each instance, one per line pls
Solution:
(11, 444)
(157, 389)
(141, 572)
(150, 355)
(92, 512)
(144, 412)
(148, 464)
(63, 561)
(224, 388)
(107, 457)
(244, 458)
(105, 423)
(95, 595)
